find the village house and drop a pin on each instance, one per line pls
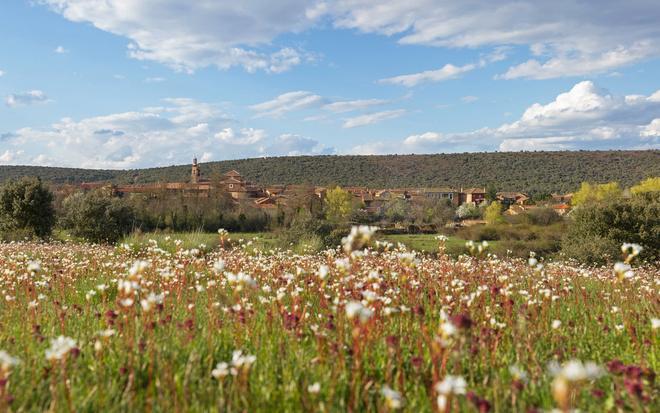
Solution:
(512, 198)
(562, 198)
(233, 183)
(472, 195)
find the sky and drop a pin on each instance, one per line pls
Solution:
(140, 83)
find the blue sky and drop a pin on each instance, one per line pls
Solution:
(138, 83)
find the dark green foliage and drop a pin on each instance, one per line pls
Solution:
(543, 216)
(26, 209)
(533, 172)
(491, 193)
(178, 212)
(598, 230)
(96, 216)
(305, 227)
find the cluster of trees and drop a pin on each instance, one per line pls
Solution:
(605, 216)
(187, 212)
(539, 173)
(26, 209)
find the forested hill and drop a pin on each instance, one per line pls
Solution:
(525, 171)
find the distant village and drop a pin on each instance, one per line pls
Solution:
(374, 200)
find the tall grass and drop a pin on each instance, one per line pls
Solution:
(336, 331)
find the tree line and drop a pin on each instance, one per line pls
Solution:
(604, 216)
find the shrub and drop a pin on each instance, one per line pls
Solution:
(309, 244)
(488, 233)
(598, 230)
(96, 216)
(333, 239)
(493, 213)
(26, 208)
(468, 210)
(647, 185)
(543, 216)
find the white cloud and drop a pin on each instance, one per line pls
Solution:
(283, 60)
(153, 136)
(199, 129)
(585, 117)
(155, 79)
(446, 72)
(469, 99)
(583, 108)
(191, 35)
(652, 130)
(287, 102)
(2, 73)
(557, 143)
(8, 156)
(289, 144)
(244, 136)
(352, 105)
(569, 65)
(371, 118)
(31, 97)
(424, 139)
(60, 50)
(568, 37)
(206, 157)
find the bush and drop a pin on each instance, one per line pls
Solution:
(96, 216)
(543, 216)
(309, 244)
(26, 209)
(598, 230)
(493, 213)
(468, 210)
(517, 248)
(333, 239)
(488, 233)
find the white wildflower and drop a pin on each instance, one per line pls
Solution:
(59, 348)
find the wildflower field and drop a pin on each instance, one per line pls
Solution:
(365, 327)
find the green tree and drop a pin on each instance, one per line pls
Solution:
(491, 193)
(397, 210)
(597, 230)
(338, 205)
(26, 206)
(493, 213)
(590, 193)
(468, 210)
(647, 185)
(436, 212)
(97, 216)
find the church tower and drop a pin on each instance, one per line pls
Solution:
(195, 173)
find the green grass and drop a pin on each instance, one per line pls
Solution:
(428, 244)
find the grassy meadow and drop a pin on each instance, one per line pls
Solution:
(157, 324)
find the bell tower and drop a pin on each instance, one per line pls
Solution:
(195, 173)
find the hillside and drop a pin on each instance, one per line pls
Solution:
(526, 171)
